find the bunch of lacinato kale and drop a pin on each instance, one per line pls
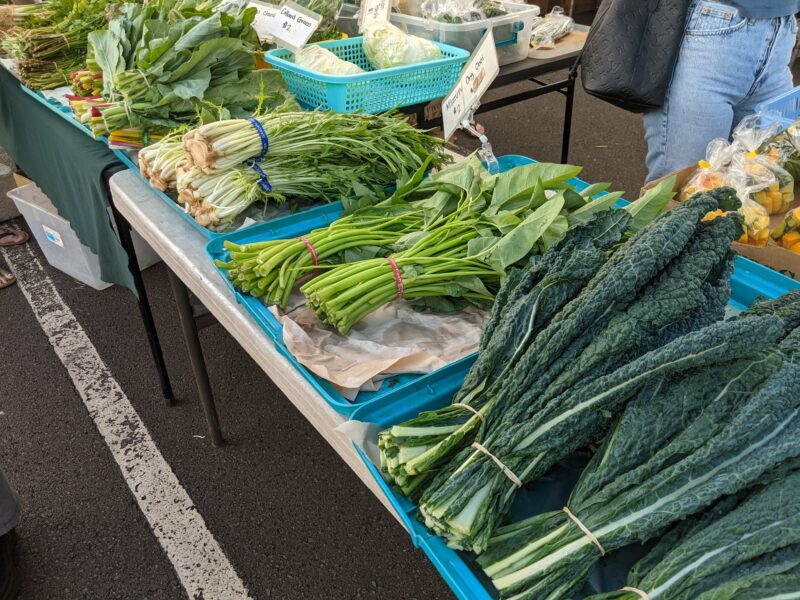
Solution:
(590, 326)
(729, 429)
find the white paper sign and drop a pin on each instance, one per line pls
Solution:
(264, 15)
(475, 79)
(293, 26)
(373, 10)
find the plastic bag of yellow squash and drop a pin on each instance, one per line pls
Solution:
(787, 234)
(769, 184)
(773, 186)
(711, 173)
(756, 224)
(754, 216)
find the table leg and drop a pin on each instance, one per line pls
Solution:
(192, 340)
(570, 98)
(124, 231)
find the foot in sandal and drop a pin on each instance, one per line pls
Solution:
(11, 236)
(6, 278)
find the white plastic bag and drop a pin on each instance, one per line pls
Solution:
(387, 46)
(549, 29)
(322, 60)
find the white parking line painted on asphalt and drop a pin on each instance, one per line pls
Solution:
(202, 567)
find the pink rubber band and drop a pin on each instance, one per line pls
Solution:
(313, 254)
(397, 279)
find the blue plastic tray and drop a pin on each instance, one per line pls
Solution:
(371, 91)
(787, 104)
(404, 387)
(750, 280)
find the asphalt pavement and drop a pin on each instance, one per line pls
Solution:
(291, 518)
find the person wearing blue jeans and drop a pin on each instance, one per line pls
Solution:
(733, 56)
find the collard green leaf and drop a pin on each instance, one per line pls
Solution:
(651, 204)
(518, 243)
(588, 210)
(520, 182)
(595, 188)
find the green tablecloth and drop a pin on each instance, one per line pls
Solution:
(67, 165)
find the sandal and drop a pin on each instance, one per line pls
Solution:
(6, 279)
(11, 236)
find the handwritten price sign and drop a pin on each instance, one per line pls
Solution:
(373, 10)
(293, 26)
(475, 79)
(264, 15)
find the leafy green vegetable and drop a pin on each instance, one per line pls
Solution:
(727, 554)
(681, 444)
(168, 62)
(525, 304)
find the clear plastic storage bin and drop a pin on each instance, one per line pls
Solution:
(512, 32)
(61, 247)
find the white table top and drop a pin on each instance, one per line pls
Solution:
(183, 250)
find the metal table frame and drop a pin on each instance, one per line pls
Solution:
(529, 70)
(145, 312)
(182, 251)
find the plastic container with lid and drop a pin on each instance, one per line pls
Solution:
(512, 31)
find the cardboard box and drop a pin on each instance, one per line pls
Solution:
(21, 180)
(772, 255)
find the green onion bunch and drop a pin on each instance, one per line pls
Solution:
(384, 141)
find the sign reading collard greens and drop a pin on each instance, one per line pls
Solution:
(293, 26)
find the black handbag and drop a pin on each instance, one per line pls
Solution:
(631, 51)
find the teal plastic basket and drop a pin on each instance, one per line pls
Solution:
(371, 91)
(787, 105)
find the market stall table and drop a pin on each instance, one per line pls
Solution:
(73, 171)
(183, 251)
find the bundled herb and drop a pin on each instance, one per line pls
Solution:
(161, 162)
(53, 43)
(489, 225)
(270, 269)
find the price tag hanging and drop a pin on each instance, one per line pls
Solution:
(373, 10)
(475, 79)
(293, 26)
(264, 15)
(485, 153)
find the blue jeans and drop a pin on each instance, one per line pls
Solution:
(726, 66)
